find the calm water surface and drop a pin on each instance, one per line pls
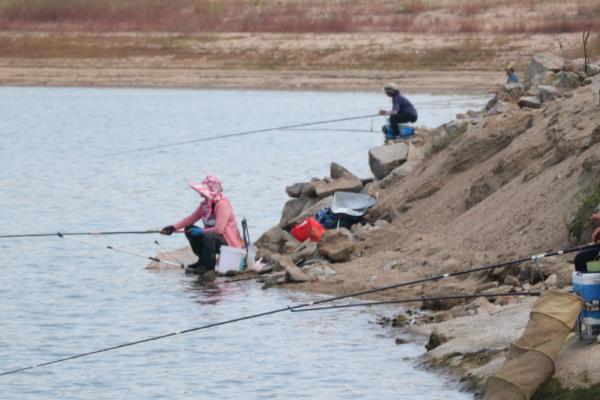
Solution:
(58, 297)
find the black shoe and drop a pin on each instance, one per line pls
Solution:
(195, 268)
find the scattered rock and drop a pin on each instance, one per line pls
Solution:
(552, 281)
(499, 108)
(568, 80)
(336, 245)
(295, 190)
(530, 102)
(344, 184)
(295, 274)
(272, 240)
(435, 340)
(400, 320)
(547, 93)
(291, 210)
(304, 251)
(384, 159)
(400, 341)
(336, 171)
(398, 173)
(542, 62)
(276, 278)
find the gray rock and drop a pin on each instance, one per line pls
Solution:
(291, 243)
(295, 274)
(552, 280)
(336, 171)
(542, 62)
(530, 102)
(544, 78)
(336, 245)
(304, 251)
(512, 281)
(435, 340)
(345, 184)
(291, 210)
(398, 173)
(276, 278)
(295, 190)
(498, 108)
(272, 240)
(547, 93)
(443, 291)
(593, 70)
(485, 286)
(384, 159)
(568, 80)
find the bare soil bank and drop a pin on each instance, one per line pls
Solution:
(459, 63)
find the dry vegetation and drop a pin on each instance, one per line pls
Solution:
(431, 16)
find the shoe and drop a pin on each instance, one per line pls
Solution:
(194, 268)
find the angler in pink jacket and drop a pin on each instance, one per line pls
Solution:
(220, 226)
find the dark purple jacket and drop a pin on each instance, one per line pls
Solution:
(402, 106)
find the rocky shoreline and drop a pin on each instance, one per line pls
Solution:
(493, 185)
(469, 339)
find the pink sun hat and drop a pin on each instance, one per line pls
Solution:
(201, 188)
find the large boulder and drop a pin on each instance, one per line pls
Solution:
(398, 173)
(544, 78)
(300, 189)
(384, 159)
(291, 210)
(568, 80)
(326, 188)
(529, 102)
(336, 245)
(547, 93)
(542, 62)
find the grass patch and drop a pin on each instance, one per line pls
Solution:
(553, 390)
(587, 203)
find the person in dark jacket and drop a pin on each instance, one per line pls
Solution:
(582, 258)
(402, 110)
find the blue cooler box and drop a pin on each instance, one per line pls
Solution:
(587, 286)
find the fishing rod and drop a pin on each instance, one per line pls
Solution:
(416, 299)
(91, 233)
(120, 250)
(303, 305)
(237, 134)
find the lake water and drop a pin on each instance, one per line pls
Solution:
(59, 298)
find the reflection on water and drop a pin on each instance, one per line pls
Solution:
(58, 297)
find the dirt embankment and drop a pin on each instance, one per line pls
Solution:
(434, 63)
(509, 185)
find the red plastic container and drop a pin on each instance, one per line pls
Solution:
(309, 228)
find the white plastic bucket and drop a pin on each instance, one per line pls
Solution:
(231, 259)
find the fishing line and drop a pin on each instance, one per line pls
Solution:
(237, 134)
(91, 233)
(121, 250)
(305, 305)
(417, 299)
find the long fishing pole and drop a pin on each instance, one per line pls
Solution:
(243, 133)
(91, 233)
(121, 250)
(305, 305)
(422, 298)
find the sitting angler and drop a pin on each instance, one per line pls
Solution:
(584, 256)
(220, 226)
(402, 112)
